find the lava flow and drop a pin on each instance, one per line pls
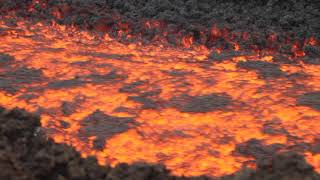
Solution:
(161, 104)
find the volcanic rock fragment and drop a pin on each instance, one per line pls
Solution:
(312, 51)
(255, 148)
(147, 102)
(219, 57)
(111, 77)
(5, 59)
(284, 166)
(139, 171)
(312, 55)
(12, 80)
(103, 127)
(132, 87)
(147, 99)
(264, 69)
(68, 108)
(274, 128)
(200, 104)
(66, 83)
(311, 99)
(64, 124)
(280, 166)
(177, 73)
(308, 60)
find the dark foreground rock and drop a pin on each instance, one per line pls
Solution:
(26, 154)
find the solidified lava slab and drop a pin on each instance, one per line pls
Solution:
(265, 69)
(200, 104)
(311, 99)
(103, 127)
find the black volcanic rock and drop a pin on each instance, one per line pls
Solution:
(311, 99)
(12, 79)
(255, 148)
(200, 104)
(264, 69)
(285, 166)
(314, 61)
(5, 59)
(274, 127)
(103, 127)
(75, 82)
(312, 51)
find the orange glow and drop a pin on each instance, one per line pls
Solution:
(188, 143)
(187, 41)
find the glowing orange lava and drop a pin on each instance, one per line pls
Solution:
(91, 74)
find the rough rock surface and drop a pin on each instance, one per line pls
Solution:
(234, 20)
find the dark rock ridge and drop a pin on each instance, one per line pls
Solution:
(201, 104)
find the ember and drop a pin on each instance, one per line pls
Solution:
(199, 99)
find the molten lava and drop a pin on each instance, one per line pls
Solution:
(161, 104)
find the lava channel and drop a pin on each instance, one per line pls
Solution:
(181, 107)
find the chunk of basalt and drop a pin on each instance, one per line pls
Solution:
(274, 128)
(200, 104)
(177, 73)
(313, 61)
(147, 102)
(225, 55)
(12, 80)
(147, 99)
(311, 99)
(255, 148)
(68, 108)
(112, 77)
(263, 69)
(5, 59)
(282, 166)
(312, 51)
(70, 83)
(132, 87)
(315, 147)
(103, 127)
(64, 124)
(141, 171)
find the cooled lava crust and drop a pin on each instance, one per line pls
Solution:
(109, 76)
